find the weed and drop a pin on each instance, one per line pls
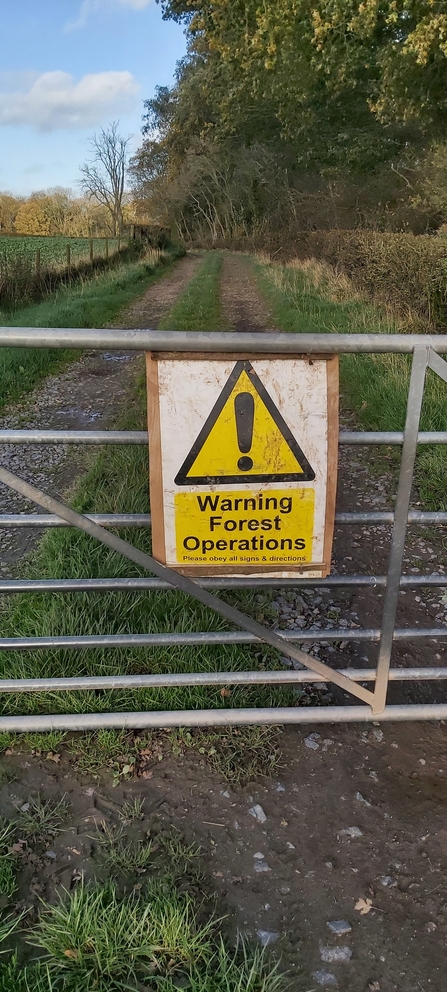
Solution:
(179, 854)
(50, 741)
(240, 754)
(241, 971)
(132, 810)
(121, 858)
(97, 751)
(8, 883)
(31, 978)
(6, 774)
(93, 935)
(42, 817)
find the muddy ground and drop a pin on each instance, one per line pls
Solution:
(355, 823)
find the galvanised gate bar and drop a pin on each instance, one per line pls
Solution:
(425, 351)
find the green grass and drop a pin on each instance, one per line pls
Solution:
(375, 387)
(153, 940)
(93, 303)
(116, 482)
(8, 883)
(53, 250)
(199, 307)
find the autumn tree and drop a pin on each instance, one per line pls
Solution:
(9, 206)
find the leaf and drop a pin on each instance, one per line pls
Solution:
(54, 756)
(71, 954)
(363, 906)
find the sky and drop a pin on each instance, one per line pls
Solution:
(68, 68)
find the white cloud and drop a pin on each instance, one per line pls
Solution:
(55, 100)
(89, 7)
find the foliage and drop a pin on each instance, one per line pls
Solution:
(408, 272)
(289, 115)
(53, 212)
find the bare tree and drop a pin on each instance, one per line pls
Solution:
(103, 178)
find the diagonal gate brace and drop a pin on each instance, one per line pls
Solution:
(182, 583)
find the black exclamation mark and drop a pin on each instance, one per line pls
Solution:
(244, 409)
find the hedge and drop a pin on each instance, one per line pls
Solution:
(407, 271)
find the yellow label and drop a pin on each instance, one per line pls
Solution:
(265, 527)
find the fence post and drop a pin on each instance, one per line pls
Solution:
(68, 257)
(38, 261)
(119, 243)
(107, 248)
(91, 251)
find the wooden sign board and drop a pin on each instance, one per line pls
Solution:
(243, 463)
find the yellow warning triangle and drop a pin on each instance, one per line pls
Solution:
(244, 439)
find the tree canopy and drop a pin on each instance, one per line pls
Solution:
(289, 99)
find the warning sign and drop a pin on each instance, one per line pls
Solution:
(243, 457)
(244, 439)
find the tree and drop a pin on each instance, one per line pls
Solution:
(104, 177)
(9, 206)
(32, 217)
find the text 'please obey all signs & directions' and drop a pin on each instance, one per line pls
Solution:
(243, 463)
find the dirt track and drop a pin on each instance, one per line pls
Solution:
(292, 874)
(88, 395)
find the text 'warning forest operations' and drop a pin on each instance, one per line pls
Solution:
(240, 478)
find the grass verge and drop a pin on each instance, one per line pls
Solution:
(94, 302)
(116, 482)
(310, 297)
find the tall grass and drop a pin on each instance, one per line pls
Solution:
(313, 298)
(407, 271)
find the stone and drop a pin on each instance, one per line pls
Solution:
(339, 927)
(267, 937)
(331, 954)
(261, 866)
(352, 832)
(257, 813)
(325, 978)
(311, 744)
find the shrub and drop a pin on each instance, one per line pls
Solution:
(407, 271)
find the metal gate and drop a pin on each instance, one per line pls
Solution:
(425, 351)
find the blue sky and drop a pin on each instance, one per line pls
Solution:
(67, 68)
